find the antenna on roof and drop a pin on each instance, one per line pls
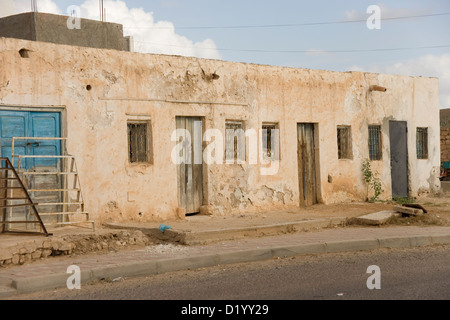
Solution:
(34, 6)
(102, 11)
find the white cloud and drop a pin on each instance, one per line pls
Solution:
(47, 6)
(150, 36)
(426, 66)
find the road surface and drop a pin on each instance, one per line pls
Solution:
(419, 273)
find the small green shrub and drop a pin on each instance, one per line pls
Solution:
(372, 181)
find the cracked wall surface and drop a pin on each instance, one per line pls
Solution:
(98, 91)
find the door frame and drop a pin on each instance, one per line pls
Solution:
(61, 109)
(316, 165)
(195, 170)
(44, 108)
(391, 146)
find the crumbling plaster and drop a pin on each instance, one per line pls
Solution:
(162, 87)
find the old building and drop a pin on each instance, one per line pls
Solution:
(258, 137)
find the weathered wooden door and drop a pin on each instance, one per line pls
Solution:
(34, 124)
(398, 131)
(190, 171)
(307, 164)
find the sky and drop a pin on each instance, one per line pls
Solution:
(413, 38)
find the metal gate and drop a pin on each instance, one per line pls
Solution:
(398, 131)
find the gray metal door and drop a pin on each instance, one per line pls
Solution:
(307, 164)
(190, 172)
(398, 131)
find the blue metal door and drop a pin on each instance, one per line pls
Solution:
(31, 124)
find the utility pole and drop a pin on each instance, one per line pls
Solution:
(34, 6)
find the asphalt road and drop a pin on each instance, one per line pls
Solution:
(419, 273)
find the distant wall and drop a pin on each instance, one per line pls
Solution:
(19, 26)
(445, 135)
(52, 28)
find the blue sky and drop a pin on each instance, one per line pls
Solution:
(205, 28)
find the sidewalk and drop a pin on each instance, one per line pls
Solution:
(155, 259)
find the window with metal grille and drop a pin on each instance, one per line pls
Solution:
(344, 141)
(422, 143)
(138, 142)
(375, 142)
(234, 142)
(270, 141)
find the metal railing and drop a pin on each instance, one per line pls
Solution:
(66, 169)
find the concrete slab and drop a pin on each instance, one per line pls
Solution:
(188, 237)
(375, 219)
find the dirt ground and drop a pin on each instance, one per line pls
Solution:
(105, 239)
(438, 214)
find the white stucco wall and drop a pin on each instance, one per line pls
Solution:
(157, 87)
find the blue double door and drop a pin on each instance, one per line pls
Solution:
(31, 124)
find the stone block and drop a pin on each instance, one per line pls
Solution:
(408, 211)
(15, 259)
(36, 254)
(374, 219)
(5, 254)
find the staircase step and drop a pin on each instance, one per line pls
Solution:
(48, 173)
(59, 204)
(70, 223)
(53, 190)
(49, 214)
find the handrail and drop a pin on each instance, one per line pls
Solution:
(31, 138)
(10, 166)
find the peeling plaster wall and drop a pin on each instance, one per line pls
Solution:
(159, 87)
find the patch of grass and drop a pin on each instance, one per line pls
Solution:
(403, 200)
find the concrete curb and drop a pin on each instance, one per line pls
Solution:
(58, 281)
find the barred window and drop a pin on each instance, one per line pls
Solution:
(138, 142)
(235, 142)
(422, 143)
(344, 141)
(375, 142)
(270, 141)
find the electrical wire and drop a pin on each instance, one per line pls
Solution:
(300, 51)
(291, 24)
